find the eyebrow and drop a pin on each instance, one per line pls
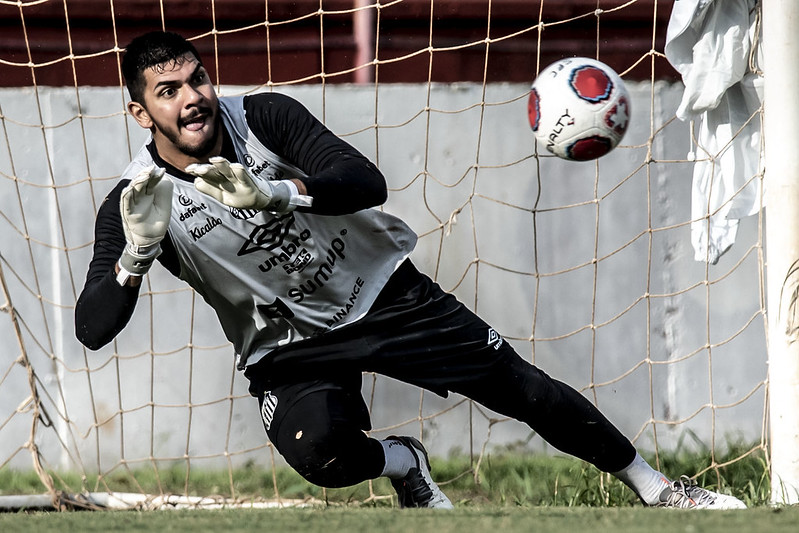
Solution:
(174, 82)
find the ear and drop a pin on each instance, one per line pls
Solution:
(140, 114)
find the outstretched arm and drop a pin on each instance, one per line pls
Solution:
(340, 179)
(231, 184)
(104, 307)
(131, 225)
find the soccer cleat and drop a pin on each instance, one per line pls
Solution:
(684, 493)
(417, 488)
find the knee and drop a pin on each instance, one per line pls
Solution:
(335, 458)
(312, 455)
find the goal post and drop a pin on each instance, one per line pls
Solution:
(781, 130)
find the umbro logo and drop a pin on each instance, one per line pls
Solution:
(268, 236)
(494, 338)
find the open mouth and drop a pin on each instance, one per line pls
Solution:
(195, 123)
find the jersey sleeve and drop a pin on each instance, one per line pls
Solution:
(104, 307)
(340, 179)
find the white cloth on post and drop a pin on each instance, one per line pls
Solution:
(711, 44)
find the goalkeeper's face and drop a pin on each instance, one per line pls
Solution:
(181, 109)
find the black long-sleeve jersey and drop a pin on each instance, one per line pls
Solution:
(339, 178)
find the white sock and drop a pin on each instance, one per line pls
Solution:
(399, 459)
(644, 480)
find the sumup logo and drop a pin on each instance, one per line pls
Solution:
(323, 275)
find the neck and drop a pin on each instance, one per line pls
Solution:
(173, 155)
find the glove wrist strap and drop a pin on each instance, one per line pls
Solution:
(296, 199)
(286, 197)
(137, 260)
(123, 276)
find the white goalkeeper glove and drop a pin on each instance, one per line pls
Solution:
(145, 205)
(231, 184)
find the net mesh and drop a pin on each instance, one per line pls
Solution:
(587, 269)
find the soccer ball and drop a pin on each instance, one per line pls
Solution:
(578, 108)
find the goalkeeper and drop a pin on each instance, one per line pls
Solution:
(266, 214)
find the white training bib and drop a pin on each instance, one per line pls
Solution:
(273, 279)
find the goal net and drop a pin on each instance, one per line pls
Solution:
(605, 274)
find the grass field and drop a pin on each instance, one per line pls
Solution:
(385, 520)
(511, 493)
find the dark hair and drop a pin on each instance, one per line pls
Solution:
(149, 50)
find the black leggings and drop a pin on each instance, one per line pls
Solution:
(416, 333)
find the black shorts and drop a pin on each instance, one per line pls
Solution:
(416, 333)
(419, 334)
